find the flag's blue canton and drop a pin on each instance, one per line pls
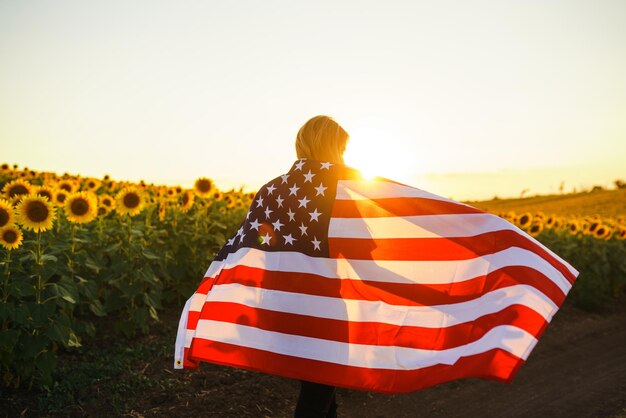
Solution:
(290, 213)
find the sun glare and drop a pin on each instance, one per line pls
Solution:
(374, 154)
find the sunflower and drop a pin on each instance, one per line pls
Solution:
(550, 221)
(81, 207)
(621, 233)
(5, 167)
(524, 220)
(16, 189)
(536, 228)
(60, 196)
(7, 215)
(106, 201)
(592, 227)
(603, 232)
(130, 200)
(217, 196)
(67, 185)
(103, 210)
(36, 213)
(186, 201)
(92, 184)
(162, 211)
(229, 200)
(573, 227)
(203, 187)
(44, 191)
(10, 237)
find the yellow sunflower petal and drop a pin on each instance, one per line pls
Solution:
(35, 213)
(11, 237)
(81, 207)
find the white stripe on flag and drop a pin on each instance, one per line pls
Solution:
(422, 226)
(390, 271)
(438, 316)
(506, 337)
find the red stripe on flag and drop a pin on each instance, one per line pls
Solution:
(393, 293)
(494, 364)
(400, 206)
(441, 249)
(374, 333)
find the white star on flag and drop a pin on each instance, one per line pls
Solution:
(289, 239)
(255, 225)
(267, 212)
(284, 177)
(299, 165)
(316, 243)
(277, 224)
(326, 166)
(266, 238)
(314, 215)
(270, 189)
(308, 177)
(303, 202)
(279, 200)
(320, 189)
(303, 229)
(293, 190)
(291, 215)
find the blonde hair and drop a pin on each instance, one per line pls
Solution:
(321, 138)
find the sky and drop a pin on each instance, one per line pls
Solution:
(466, 99)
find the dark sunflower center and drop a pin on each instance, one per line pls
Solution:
(37, 211)
(131, 200)
(45, 194)
(185, 199)
(534, 228)
(66, 187)
(61, 197)
(79, 207)
(9, 236)
(600, 231)
(5, 166)
(523, 220)
(91, 184)
(204, 186)
(4, 217)
(17, 190)
(106, 202)
(101, 210)
(593, 226)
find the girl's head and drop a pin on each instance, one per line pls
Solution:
(321, 138)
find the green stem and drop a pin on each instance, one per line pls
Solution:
(38, 263)
(7, 274)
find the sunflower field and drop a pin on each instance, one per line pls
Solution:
(74, 249)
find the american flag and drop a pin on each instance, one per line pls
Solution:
(373, 285)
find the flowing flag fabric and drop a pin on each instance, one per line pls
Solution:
(373, 285)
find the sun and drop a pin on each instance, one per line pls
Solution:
(376, 153)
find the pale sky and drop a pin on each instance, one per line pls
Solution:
(468, 99)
